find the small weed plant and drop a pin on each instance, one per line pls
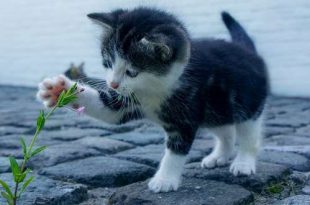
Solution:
(21, 174)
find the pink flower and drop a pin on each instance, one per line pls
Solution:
(80, 110)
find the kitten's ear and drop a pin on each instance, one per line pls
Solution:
(158, 47)
(81, 66)
(104, 19)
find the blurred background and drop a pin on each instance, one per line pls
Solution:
(41, 38)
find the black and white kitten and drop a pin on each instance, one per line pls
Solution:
(156, 71)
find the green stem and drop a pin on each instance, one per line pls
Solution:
(15, 193)
(34, 139)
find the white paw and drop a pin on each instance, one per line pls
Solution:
(213, 160)
(51, 88)
(158, 184)
(245, 165)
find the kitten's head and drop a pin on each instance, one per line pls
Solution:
(143, 49)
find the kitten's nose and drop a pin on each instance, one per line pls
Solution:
(114, 85)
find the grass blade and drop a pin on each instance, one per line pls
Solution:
(26, 184)
(40, 120)
(23, 143)
(7, 197)
(38, 150)
(6, 188)
(15, 168)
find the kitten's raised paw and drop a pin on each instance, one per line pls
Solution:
(51, 88)
(243, 166)
(158, 184)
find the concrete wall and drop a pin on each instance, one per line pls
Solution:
(40, 38)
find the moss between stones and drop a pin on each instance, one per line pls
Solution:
(277, 190)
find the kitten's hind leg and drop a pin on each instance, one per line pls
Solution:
(249, 135)
(224, 147)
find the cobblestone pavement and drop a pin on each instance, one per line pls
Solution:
(90, 163)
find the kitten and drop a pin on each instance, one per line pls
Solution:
(75, 72)
(155, 70)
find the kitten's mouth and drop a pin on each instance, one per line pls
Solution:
(121, 91)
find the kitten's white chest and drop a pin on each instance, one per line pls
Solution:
(156, 90)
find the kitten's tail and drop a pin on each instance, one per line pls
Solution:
(237, 32)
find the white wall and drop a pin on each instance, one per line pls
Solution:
(40, 38)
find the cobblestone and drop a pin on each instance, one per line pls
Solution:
(291, 160)
(277, 130)
(193, 191)
(60, 153)
(100, 171)
(289, 139)
(152, 154)
(299, 149)
(266, 173)
(73, 133)
(295, 200)
(304, 130)
(91, 162)
(137, 137)
(6, 130)
(44, 190)
(4, 165)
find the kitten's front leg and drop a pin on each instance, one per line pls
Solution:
(169, 175)
(91, 99)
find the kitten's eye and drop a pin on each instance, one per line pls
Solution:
(107, 63)
(131, 73)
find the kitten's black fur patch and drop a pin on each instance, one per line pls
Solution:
(238, 34)
(223, 82)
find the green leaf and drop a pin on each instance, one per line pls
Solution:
(26, 184)
(62, 95)
(23, 143)
(60, 99)
(68, 99)
(68, 96)
(15, 168)
(72, 89)
(7, 197)
(6, 188)
(38, 150)
(40, 120)
(23, 175)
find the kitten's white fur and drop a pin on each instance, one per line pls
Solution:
(224, 147)
(249, 135)
(249, 139)
(168, 177)
(117, 74)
